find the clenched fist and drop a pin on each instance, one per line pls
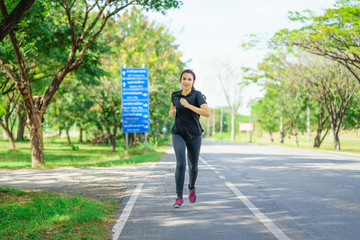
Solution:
(184, 102)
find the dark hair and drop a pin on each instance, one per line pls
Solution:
(188, 71)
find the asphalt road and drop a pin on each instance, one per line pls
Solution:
(244, 191)
(248, 192)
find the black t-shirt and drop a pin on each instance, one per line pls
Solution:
(187, 123)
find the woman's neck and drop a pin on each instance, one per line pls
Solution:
(185, 92)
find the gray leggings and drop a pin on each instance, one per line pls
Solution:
(193, 152)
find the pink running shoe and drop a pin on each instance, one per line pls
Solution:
(192, 196)
(179, 203)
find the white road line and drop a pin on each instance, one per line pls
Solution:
(203, 160)
(280, 235)
(265, 220)
(120, 223)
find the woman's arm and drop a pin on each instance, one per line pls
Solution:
(203, 110)
(172, 110)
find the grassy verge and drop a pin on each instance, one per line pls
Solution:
(42, 215)
(58, 154)
(349, 142)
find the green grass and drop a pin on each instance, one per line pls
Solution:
(58, 154)
(43, 215)
(347, 145)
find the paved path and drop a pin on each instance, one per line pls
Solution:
(244, 191)
(107, 184)
(250, 192)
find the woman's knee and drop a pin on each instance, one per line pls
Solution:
(180, 166)
(193, 168)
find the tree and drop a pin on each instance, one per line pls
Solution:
(85, 22)
(263, 109)
(108, 106)
(232, 84)
(282, 97)
(133, 40)
(9, 100)
(286, 101)
(22, 122)
(149, 44)
(334, 35)
(322, 120)
(331, 84)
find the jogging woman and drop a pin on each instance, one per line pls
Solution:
(187, 106)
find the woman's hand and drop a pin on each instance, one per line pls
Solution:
(172, 112)
(184, 103)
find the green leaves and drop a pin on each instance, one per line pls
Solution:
(159, 5)
(334, 35)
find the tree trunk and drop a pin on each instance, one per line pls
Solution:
(282, 132)
(337, 141)
(271, 136)
(317, 142)
(22, 124)
(296, 139)
(335, 130)
(113, 142)
(36, 140)
(282, 136)
(321, 122)
(9, 134)
(68, 137)
(318, 139)
(233, 116)
(10, 137)
(81, 135)
(294, 133)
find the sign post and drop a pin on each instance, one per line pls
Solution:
(135, 101)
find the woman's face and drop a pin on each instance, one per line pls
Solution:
(187, 81)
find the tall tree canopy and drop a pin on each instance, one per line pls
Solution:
(75, 25)
(334, 35)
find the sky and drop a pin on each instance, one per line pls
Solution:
(210, 32)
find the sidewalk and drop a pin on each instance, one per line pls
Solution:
(104, 184)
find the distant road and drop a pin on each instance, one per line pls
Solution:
(249, 192)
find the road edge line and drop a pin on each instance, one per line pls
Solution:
(120, 223)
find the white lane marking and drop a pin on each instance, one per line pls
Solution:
(203, 160)
(212, 168)
(265, 220)
(120, 223)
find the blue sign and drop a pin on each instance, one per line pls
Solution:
(135, 116)
(134, 73)
(131, 127)
(135, 105)
(135, 100)
(129, 84)
(135, 95)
